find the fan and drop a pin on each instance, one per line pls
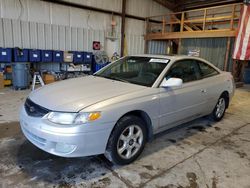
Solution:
(101, 57)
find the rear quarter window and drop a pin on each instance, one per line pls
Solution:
(206, 70)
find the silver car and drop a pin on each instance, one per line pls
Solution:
(118, 109)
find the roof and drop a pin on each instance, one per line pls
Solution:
(168, 56)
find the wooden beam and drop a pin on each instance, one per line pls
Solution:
(182, 21)
(204, 20)
(123, 26)
(227, 53)
(232, 18)
(191, 34)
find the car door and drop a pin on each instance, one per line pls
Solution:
(178, 105)
(212, 84)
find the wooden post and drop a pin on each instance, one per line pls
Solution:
(234, 71)
(163, 24)
(171, 25)
(123, 26)
(227, 54)
(146, 32)
(179, 47)
(182, 21)
(232, 18)
(204, 19)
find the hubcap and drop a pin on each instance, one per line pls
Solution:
(130, 141)
(220, 107)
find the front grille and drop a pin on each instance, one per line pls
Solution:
(34, 109)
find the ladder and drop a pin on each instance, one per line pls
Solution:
(37, 79)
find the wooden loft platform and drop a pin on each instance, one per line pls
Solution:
(219, 21)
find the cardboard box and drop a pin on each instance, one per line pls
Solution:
(68, 57)
(1, 81)
(48, 78)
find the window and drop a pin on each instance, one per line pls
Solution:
(137, 70)
(187, 70)
(206, 70)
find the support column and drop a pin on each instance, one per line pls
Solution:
(123, 26)
(227, 54)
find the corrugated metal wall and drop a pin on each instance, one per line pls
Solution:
(38, 24)
(157, 47)
(211, 49)
(25, 34)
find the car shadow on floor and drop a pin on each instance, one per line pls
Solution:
(44, 167)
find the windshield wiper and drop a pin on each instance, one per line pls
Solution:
(119, 79)
(112, 78)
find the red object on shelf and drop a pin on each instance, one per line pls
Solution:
(96, 45)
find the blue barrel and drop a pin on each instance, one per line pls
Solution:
(246, 76)
(20, 75)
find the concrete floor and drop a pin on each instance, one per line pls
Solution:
(200, 154)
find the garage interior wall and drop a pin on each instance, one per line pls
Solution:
(211, 49)
(43, 25)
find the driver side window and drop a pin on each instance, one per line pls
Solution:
(187, 70)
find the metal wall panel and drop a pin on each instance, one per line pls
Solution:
(48, 36)
(134, 44)
(17, 38)
(41, 36)
(55, 36)
(211, 49)
(7, 29)
(68, 38)
(80, 40)
(25, 33)
(33, 35)
(157, 47)
(62, 38)
(74, 38)
(1, 33)
(45, 36)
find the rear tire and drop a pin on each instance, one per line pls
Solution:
(127, 140)
(219, 109)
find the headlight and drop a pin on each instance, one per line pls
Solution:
(73, 118)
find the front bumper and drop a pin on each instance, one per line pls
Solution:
(66, 141)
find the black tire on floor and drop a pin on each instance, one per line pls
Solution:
(219, 109)
(120, 133)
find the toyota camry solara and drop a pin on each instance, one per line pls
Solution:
(118, 109)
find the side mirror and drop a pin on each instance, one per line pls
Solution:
(171, 82)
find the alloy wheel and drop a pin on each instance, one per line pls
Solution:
(130, 142)
(220, 107)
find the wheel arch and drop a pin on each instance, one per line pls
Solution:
(226, 95)
(145, 117)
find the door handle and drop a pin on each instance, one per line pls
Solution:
(203, 90)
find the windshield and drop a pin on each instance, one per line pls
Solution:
(137, 70)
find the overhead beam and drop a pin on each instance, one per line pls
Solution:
(166, 4)
(190, 34)
(196, 5)
(80, 6)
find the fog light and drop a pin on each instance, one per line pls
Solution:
(65, 148)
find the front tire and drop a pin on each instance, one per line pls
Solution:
(127, 140)
(219, 109)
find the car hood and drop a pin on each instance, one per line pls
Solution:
(75, 94)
